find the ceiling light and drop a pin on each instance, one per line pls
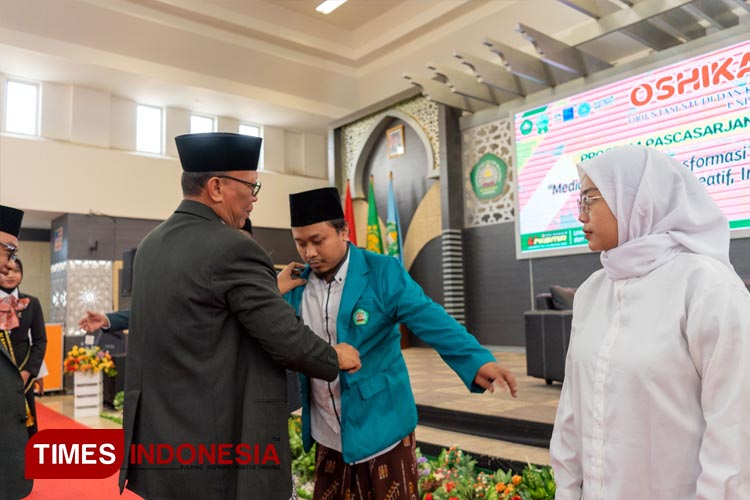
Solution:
(329, 6)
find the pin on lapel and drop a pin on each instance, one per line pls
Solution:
(361, 317)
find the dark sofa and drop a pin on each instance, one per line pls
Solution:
(547, 329)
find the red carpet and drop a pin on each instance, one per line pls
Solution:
(73, 489)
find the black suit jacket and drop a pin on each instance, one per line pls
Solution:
(13, 432)
(119, 320)
(30, 354)
(210, 337)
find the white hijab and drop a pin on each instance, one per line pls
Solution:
(661, 207)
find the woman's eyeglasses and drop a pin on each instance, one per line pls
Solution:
(584, 203)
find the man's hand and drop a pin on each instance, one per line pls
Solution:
(348, 357)
(93, 321)
(491, 374)
(288, 279)
(25, 376)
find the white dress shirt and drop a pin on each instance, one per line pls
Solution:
(319, 310)
(4, 294)
(656, 399)
(321, 300)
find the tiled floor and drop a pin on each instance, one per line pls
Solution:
(435, 384)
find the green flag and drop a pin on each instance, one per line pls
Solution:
(374, 240)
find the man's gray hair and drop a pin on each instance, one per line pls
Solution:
(194, 182)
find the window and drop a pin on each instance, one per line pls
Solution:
(148, 129)
(253, 130)
(200, 124)
(22, 108)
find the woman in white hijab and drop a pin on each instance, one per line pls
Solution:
(656, 399)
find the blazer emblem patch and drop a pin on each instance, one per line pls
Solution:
(361, 317)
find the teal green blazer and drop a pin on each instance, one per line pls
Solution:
(377, 404)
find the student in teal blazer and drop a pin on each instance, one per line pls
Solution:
(377, 407)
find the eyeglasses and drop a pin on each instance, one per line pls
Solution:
(584, 203)
(254, 188)
(12, 251)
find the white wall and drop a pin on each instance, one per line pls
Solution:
(52, 176)
(123, 121)
(177, 123)
(57, 101)
(90, 117)
(227, 124)
(85, 161)
(295, 153)
(272, 208)
(274, 158)
(315, 156)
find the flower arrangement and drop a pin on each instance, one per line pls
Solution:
(452, 476)
(89, 360)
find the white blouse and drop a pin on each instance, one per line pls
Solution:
(656, 399)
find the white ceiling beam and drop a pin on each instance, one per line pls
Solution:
(622, 19)
(520, 63)
(560, 55)
(745, 4)
(715, 12)
(527, 66)
(442, 94)
(464, 84)
(495, 75)
(653, 33)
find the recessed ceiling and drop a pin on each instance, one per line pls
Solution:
(275, 62)
(350, 16)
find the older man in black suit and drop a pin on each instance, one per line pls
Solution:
(210, 337)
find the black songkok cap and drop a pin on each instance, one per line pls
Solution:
(218, 152)
(318, 205)
(10, 220)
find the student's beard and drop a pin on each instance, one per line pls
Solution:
(327, 276)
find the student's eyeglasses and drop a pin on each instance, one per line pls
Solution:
(584, 203)
(254, 187)
(11, 250)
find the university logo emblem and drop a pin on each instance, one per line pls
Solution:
(361, 317)
(488, 177)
